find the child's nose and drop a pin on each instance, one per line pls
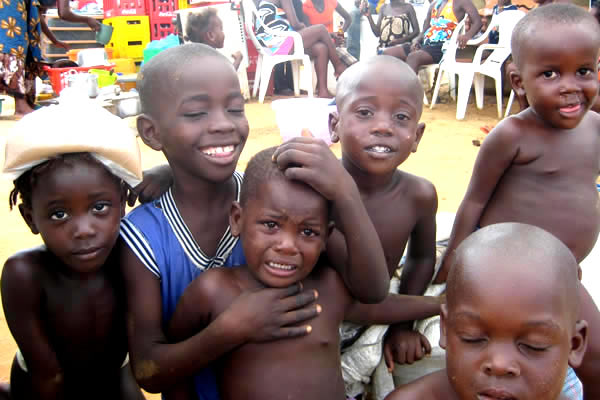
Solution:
(83, 227)
(286, 244)
(500, 362)
(568, 84)
(219, 122)
(382, 125)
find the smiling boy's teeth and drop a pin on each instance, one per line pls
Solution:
(281, 266)
(211, 151)
(380, 149)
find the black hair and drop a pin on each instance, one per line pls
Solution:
(159, 73)
(24, 184)
(198, 24)
(260, 169)
(549, 15)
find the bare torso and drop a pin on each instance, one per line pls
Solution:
(301, 368)
(551, 183)
(84, 325)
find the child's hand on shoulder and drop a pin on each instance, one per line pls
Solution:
(157, 180)
(310, 160)
(404, 346)
(271, 314)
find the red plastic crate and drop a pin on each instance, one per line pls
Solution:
(58, 76)
(161, 8)
(161, 27)
(119, 8)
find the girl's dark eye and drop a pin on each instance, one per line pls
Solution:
(101, 207)
(549, 74)
(309, 232)
(59, 215)
(270, 224)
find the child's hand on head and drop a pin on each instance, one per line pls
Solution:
(271, 314)
(306, 159)
(404, 346)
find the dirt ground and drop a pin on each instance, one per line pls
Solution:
(445, 157)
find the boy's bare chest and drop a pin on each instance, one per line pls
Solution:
(394, 217)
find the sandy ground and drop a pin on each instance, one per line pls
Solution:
(445, 157)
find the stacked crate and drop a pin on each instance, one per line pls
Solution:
(130, 36)
(162, 15)
(124, 8)
(77, 35)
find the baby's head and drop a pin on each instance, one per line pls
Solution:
(556, 49)
(379, 104)
(205, 27)
(283, 224)
(510, 326)
(193, 111)
(72, 180)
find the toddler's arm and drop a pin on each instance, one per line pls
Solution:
(402, 344)
(158, 364)
(22, 302)
(395, 308)
(495, 156)
(365, 269)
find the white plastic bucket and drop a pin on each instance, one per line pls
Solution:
(303, 113)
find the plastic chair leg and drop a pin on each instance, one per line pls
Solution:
(296, 77)
(465, 81)
(511, 98)
(479, 85)
(499, 96)
(436, 90)
(308, 71)
(257, 76)
(265, 77)
(452, 82)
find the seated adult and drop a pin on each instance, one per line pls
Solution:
(321, 12)
(442, 17)
(397, 24)
(316, 40)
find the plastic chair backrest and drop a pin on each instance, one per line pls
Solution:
(506, 22)
(250, 13)
(451, 45)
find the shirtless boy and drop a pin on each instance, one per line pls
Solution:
(64, 301)
(540, 166)
(379, 105)
(509, 325)
(283, 225)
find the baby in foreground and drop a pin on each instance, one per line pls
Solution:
(510, 325)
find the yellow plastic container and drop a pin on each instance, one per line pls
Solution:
(124, 65)
(130, 36)
(182, 4)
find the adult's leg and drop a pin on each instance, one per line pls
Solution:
(418, 58)
(22, 107)
(318, 53)
(397, 51)
(318, 34)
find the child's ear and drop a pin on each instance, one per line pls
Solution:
(27, 215)
(334, 118)
(235, 218)
(578, 344)
(149, 132)
(418, 136)
(443, 327)
(209, 38)
(517, 82)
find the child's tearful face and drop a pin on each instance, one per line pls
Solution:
(203, 126)
(559, 73)
(283, 231)
(77, 209)
(508, 340)
(378, 124)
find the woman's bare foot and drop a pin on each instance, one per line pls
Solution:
(324, 93)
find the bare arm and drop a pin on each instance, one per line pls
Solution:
(290, 14)
(495, 156)
(22, 302)
(364, 269)
(376, 28)
(49, 34)
(65, 13)
(158, 364)
(467, 7)
(344, 14)
(395, 308)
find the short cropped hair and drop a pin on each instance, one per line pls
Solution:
(356, 73)
(159, 73)
(198, 24)
(550, 15)
(260, 169)
(24, 184)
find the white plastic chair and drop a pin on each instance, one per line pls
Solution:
(266, 60)
(469, 72)
(492, 65)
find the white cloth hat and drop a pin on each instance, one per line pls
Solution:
(73, 127)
